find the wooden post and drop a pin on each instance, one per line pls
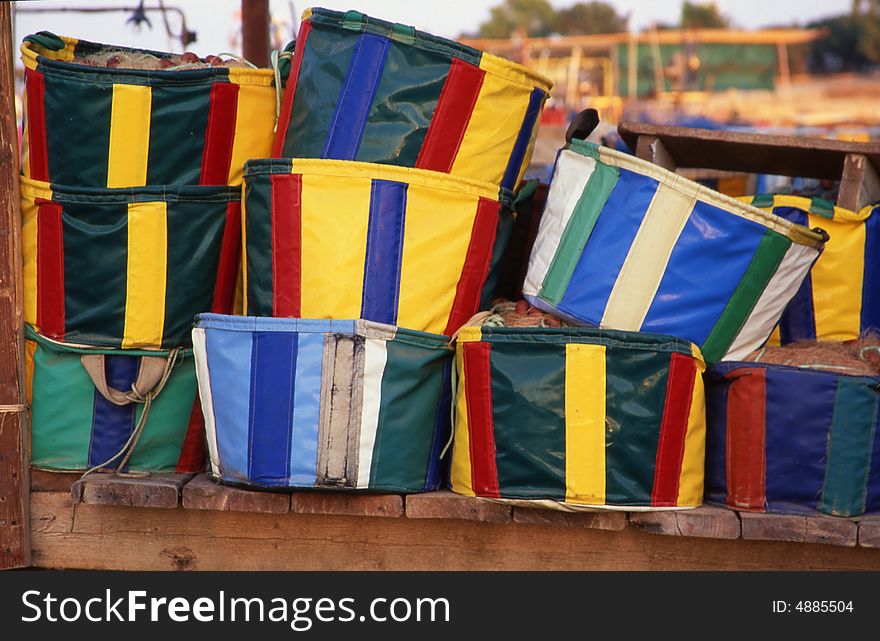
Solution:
(255, 31)
(859, 185)
(15, 535)
(652, 149)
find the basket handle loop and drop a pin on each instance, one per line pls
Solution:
(582, 125)
(151, 371)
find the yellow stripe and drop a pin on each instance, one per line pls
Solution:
(25, 138)
(837, 280)
(335, 218)
(585, 424)
(460, 468)
(646, 261)
(469, 334)
(492, 130)
(690, 483)
(129, 136)
(145, 284)
(29, 212)
(434, 249)
(254, 121)
(30, 348)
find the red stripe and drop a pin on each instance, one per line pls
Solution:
(286, 244)
(481, 424)
(219, 134)
(38, 156)
(451, 116)
(227, 267)
(746, 428)
(673, 429)
(290, 90)
(192, 452)
(50, 269)
(476, 265)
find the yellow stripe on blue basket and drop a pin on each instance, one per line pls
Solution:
(145, 284)
(437, 233)
(129, 136)
(334, 246)
(585, 424)
(837, 280)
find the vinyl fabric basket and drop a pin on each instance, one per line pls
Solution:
(839, 299)
(580, 416)
(792, 439)
(112, 127)
(625, 244)
(323, 404)
(83, 415)
(127, 268)
(339, 239)
(369, 90)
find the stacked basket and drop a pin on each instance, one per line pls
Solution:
(369, 239)
(131, 207)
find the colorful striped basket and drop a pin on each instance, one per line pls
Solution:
(625, 244)
(107, 127)
(323, 404)
(83, 415)
(369, 90)
(340, 239)
(127, 267)
(582, 416)
(839, 299)
(791, 439)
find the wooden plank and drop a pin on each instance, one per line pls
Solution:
(831, 531)
(869, 532)
(45, 481)
(707, 521)
(598, 520)
(343, 503)
(255, 31)
(753, 153)
(14, 477)
(448, 505)
(155, 491)
(652, 149)
(201, 493)
(859, 185)
(113, 537)
(799, 529)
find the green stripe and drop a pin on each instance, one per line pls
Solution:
(528, 399)
(195, 234)
(178, 121)
(258, 228)
(95, 272)
(77, 129)
(822, 207)
(577, 231)
(762, 200)
(771, 250)
(849, 447)
(322, 75)
(411, 388)
(159, 446)
(403, 106)
(635, 393)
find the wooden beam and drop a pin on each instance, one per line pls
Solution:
(652, 149)
(752, 153)
(255, 31)
(204, 494)
(15, 541)
(706, 522)
(156, 491)
(859, 185)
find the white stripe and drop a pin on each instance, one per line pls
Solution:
(375, 357)
(201, 355)
(779, 291)
(569, 180)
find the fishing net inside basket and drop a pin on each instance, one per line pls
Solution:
(859, 357)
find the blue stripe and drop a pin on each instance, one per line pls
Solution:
(384, 252)
(716, 437)
(307, 409)
(265, 324)
(353, 107)
(871, 283)
(518, 156)
(273, 376)
(798, 322)
(602, 258)
(441, 429)
(709, 259)
(797, 436)
(112, 424)
(229, 365)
